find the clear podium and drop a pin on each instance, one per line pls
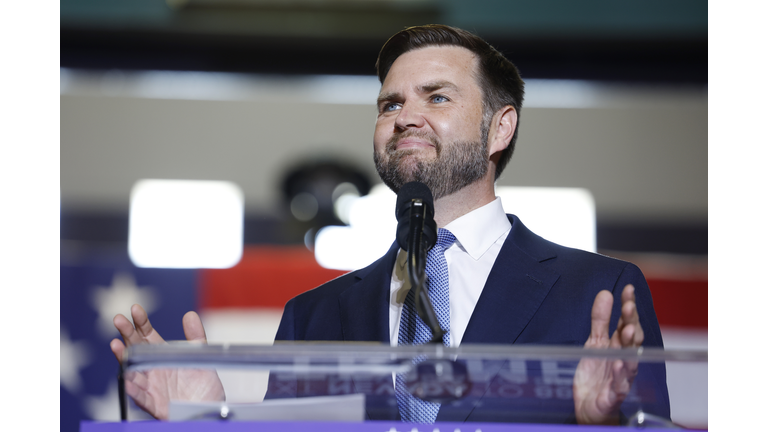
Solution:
(351, 386)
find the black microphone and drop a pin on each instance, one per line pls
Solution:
(410, 197)
(417, 233)
(408, 194)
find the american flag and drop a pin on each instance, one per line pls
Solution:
(242, 305)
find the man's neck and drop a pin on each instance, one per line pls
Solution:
(459, 203)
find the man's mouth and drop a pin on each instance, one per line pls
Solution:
(412, 140)
(413, 143)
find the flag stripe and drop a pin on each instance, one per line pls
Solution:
(267, 276)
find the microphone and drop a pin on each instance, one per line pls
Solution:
(409, 194)
(417, 233)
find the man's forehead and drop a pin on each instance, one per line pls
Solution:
(434, 66)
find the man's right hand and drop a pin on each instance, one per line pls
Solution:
(154, 389)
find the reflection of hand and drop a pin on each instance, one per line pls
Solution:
(154, 389)
(600, 385)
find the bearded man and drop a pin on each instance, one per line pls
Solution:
(448, 114)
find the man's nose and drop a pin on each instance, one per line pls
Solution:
(409, 117)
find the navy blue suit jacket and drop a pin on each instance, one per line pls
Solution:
(538, 292)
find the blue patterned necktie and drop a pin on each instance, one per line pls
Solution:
(413, 330)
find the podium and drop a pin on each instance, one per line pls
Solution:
(350, 386)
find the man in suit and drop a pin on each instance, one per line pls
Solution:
(448, 114)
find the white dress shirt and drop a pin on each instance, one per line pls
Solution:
(479, 237)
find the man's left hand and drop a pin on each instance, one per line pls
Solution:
(600, 385)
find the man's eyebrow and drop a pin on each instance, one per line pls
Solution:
(424, 88)
(388, 97)
(436, 85)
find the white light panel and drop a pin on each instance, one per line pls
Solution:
(185, 224)
(371, 231)
(563, 215)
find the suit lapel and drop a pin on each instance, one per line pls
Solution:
(364, 306)
(516, 287)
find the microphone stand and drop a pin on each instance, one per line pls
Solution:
(416, 264)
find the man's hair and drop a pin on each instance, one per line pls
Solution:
(498, 77)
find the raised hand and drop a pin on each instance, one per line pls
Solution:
(154, 389)
(600, 385)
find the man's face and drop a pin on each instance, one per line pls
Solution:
(429, 124)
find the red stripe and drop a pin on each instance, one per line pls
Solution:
(680, 303)
(267, 276)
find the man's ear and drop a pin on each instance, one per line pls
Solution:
(502, 128)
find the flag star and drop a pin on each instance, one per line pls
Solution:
(104, 407)
(118, 298)
(73, 356)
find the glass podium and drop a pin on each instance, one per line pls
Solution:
(350, 386)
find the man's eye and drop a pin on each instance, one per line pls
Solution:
(439, 99)
(390, 107)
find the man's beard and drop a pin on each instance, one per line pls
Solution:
(454, 166)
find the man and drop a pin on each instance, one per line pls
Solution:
(448, 112)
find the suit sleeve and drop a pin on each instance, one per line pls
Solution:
(648, 321)
(285, 332)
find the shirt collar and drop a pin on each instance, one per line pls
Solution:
(479, 229)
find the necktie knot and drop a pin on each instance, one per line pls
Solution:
(445, 238)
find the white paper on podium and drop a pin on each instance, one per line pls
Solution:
(347, 408)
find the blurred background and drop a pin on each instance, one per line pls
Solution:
(277, 97)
